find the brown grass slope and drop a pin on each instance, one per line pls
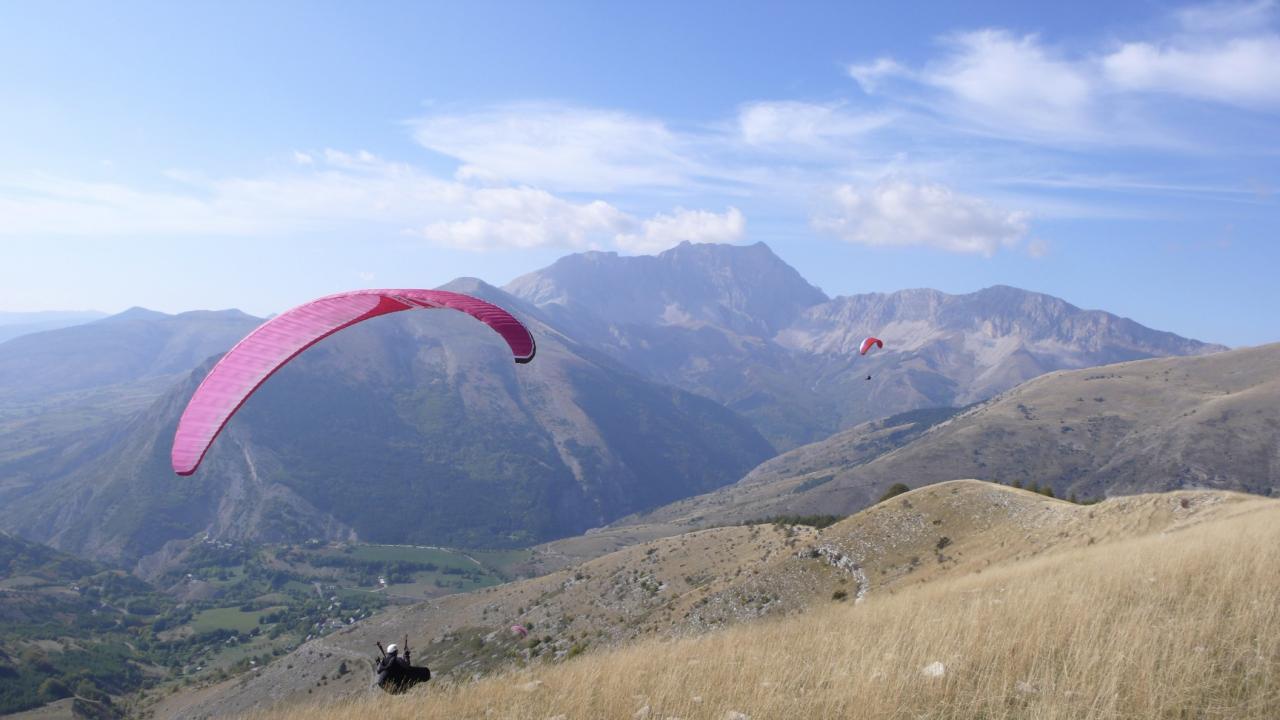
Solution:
(789, 473)
(685, 585)
(1158, 606)
(1210, 421)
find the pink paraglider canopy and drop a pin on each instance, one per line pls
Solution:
(277, 341)
(868, 343)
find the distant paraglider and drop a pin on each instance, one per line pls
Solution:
(870, 342)
(520, 631)
(274, 343)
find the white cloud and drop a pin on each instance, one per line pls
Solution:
(546, 174)
(559, 147)
(362, 160)
(1038, 248)
(35, 206)
(664, 231)
(803, 124)
(339, 191)
(1017, 87)
(870, 75)
(1000, 80)
(1229, 18)
(902, 213)
(1240, 71)
(527, 218)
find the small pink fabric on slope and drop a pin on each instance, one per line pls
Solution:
(277, 341)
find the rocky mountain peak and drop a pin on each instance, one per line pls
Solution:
(912, 319)
(746, 288)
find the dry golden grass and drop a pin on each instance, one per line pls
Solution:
(1181, 624)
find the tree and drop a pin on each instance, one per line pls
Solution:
(894, 490)
(53, 689)
(87, 690)
(34, 658)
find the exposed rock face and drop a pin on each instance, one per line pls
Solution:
(739, 325)
(745, 290)
(987, 341)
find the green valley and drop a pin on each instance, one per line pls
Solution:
(83, 629)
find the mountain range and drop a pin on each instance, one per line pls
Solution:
(14, 324)
(742, 327)
(137, 345)
(414, 428)
(658, 378)
(65, 392)
(1206, 422)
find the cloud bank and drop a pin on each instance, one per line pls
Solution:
(900, 213)
(993, 112)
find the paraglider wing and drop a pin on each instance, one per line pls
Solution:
(520, 631)
(274, 343)
(868, 343)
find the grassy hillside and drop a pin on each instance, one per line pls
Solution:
(1156, 607)
(1210, 421)
(723, 577)
(790, 473)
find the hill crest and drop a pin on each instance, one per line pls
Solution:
(715, 578)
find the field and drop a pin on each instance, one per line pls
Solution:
(228, 618)
(401, 572)
(1181, 623)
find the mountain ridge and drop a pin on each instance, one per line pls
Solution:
(1158, 424)
(793, 370)
(17, 324)
(135, 345)
(415, 427)
(608, 404)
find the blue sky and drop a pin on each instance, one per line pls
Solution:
(207, 155)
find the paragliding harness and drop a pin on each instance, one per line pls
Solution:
(396, 674)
